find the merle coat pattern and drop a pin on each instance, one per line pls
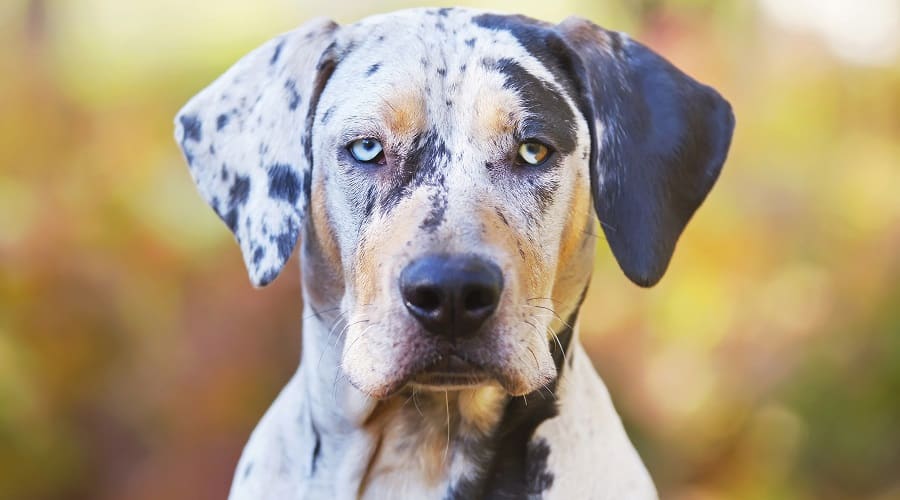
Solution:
(450, 94)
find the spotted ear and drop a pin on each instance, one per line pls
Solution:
(246, 138)
(659, 141)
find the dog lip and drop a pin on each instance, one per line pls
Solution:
(452, 364)
(451, 370)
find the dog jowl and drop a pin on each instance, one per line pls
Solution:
(444, 170)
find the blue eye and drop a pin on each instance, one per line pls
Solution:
(366, 150)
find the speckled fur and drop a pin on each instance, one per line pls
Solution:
(450, 93)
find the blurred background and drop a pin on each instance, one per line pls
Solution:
(135, 358)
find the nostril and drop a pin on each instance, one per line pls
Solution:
(451, 296)
(477, 299)
(425, 298)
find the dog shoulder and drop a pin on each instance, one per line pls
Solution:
(278, 458)
(585, 449)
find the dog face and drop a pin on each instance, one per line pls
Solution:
(450, 158)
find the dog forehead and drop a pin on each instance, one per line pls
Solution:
(427, 58)
(432, 43)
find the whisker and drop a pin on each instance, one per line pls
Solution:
(447, 449)
(361, 335)
(340, 372)
(606, 225)
(536, 363)
(316, 313)
(552, 312)
(416, 402)
(345, 330)
(543, 298)
(565, 354)
(341, 318)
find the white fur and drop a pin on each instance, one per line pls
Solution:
(318, 440)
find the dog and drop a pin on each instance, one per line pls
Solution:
(443, 170)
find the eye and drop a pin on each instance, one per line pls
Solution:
(533, 153)
(366, 150)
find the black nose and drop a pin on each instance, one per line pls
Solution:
(451, 295)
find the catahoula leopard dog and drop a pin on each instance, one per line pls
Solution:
(442, 169)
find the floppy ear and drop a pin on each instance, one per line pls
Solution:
(659, 139)
(246, 138)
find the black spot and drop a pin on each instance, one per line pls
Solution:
(442, 72)
(440, 26)
(258, 255)
(221, 121)
(307, 184)
(326, 117)
(448, 102)
(212, 149)
(518, 467)
(421, 166)
(248, 469)
(325, 68)
(269, 276)
(277, 53)
(541, 40)
(462, 68)
(224, 172)
(230, 218)
(192, 128)
(239, 191)
(502, 217)
(444, 12)
(317, 449)
(293, 95)
(373, 69)
(553, 118)
(284, 183)
(369, 207)
(536, 454)
(544, 190)
(471, 42)
(286, 242)
(435, 216)
(306, 144)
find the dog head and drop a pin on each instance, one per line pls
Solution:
(441, 166)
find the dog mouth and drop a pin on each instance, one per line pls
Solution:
(450, 372)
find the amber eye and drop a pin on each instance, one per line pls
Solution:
(366, 150)
(533, 153)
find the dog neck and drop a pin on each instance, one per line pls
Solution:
(470, 442)
(461, 444)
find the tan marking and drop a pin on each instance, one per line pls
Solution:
(404, 113)
(322, 257)
(531, 270)
(574, 232)
(583, 33)
(382, 241)
(417, 432)
(575, 258)
(481, 408)
(494, 115)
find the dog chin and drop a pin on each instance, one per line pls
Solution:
(425, 379)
